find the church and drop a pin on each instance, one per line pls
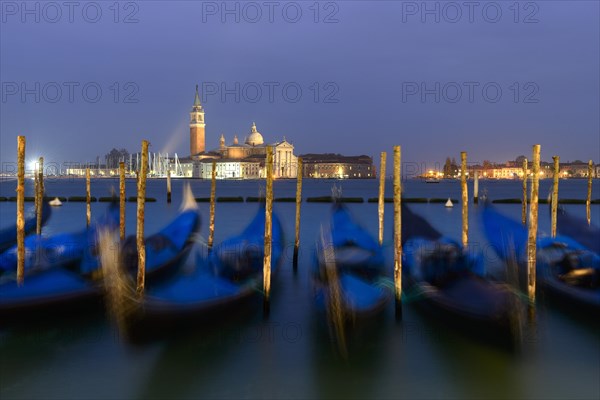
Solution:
(237, 160)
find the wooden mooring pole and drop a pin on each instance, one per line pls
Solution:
(475, 187)
(213, 190)
(465, 198)
(554, 200)
(533, 224)
(20, 209)
(88, 198)
(298, 206)
(588, 201)
(524, 202)
(40, 197)
(122, 200)
(168, 185)
(36, 186)
(268, 229)
(398, 232)
(141, 203)
(381, 200)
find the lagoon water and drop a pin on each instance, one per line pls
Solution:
(289, 354)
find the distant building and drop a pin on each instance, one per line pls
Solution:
(506, 173)
(227, 168)
(197, 127)
(577, 169)
(238, 160)
(337, 166)
(254, 150)
(476, 169)
(187, 168)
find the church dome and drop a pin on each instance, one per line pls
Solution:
(254, 138)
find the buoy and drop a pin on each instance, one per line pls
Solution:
(449, 203)
(56, 202)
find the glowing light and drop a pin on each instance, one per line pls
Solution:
(32, 165)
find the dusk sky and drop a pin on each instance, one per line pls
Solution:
(361, 67)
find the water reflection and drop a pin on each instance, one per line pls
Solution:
(352, 374)
(186, 365)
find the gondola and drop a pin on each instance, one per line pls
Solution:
(241, 256)
(349, 270)
(565, 268)
(449, 282)
(223, 281)
(73, 285)
(578, 229)
(60, 250)
(8, 236)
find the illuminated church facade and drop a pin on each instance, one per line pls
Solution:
(238, 160)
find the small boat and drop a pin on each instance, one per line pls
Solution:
(71, 283)
(432, 180)
(449, 203)
(55, 202)
(566, 269)
(449, 281)
(349, 273)
(226, 280)
(8, 236)
(579, 230)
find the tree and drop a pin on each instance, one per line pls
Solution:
(519, 160)
(454, 167)
(447, 168)
(115, 156)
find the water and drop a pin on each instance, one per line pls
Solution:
(289, 355)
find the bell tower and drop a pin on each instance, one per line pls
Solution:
(197, 127)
